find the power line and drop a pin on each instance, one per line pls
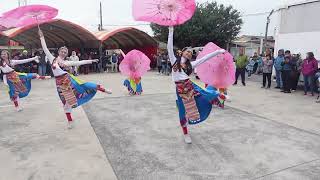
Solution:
(256, 14)
(148, 24)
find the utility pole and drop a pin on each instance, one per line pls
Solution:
(100, 43)
(22, 3)
(267, 28)
(100, 25)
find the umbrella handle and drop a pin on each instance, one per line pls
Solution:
(38, 22)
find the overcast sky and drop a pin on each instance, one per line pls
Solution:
(118, 12)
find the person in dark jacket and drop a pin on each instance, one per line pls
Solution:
(286, 72)
(295, 74)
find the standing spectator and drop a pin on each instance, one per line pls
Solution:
(114, 62)
(241, 63)
(297, 62)
(49, 69)
(169, 66)
(309, 69)
(34, 66)
(278, 65)
(286, 73)
(260, 65)
(250, 67)
(267, 70)
(104, 62)
(74, 58)
(85, 68)
(164, 63)
(25, 67)
(256, 59)
(318, 85)
(159, 62)
(42, 64)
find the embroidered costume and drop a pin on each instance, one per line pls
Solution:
(193, 101)
(72, 91)
(19, 84)
(134, 86)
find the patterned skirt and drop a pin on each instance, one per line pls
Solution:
(194, 102)
(19, 84)
(73, 91)
(133, 87)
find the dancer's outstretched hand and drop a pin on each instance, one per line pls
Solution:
(222, 51)
(108, 91)
(36, 59)
(95, 60)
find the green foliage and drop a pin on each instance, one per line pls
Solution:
(211, 23)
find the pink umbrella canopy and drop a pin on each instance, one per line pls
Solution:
(27, 15)
(135, 64)
(164, 12)
(219, 71)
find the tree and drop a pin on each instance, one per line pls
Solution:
(211, 23)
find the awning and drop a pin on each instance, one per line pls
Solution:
(57, 33)
(125, 38)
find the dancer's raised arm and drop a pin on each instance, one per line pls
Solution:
(45, 48)
(5, 82)
(23, 61)
(172, 57)
(207, 57)
(79, 63)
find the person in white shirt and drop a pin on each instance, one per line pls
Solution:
(19, 84)
(72, 92)
(74, 58)
(194, 102)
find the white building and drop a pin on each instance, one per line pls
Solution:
(298, 28)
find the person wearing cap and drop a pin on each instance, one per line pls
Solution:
(193, 102)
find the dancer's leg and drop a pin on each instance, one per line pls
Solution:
(184, 126)
(15, 101)
(68, 109)
(102, 89)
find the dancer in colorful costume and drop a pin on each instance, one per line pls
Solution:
(134, 86)
(134, 65)
(72, 91)
(19, 84)
(193, 101)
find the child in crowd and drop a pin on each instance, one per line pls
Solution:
(249, 67)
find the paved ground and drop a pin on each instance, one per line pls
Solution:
(262, 134)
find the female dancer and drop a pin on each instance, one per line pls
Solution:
(134, 86)
(19, 84)
(72, 91)
(194, 102)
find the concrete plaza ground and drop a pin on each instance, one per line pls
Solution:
(262, 134)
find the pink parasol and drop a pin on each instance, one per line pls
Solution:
(218, 71)
(164, 12)
(135, 64)
(27, 15)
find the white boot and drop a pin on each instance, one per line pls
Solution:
(19, 109)
(70, 124)
(187, 139)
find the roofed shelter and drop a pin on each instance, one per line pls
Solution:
(128, 39)
(57, 33)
